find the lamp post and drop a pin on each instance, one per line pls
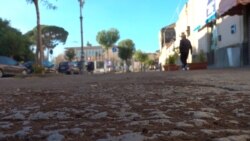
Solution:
(81, 3)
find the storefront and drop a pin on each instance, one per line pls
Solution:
(239, 7)
(212, 33)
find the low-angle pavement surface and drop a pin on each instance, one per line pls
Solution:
(204, 105)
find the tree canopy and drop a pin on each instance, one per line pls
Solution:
(107, 38)
(126, 49)
(70, 54)
(13, 43)
(51, 36)
(150, 62)
(141, 57)
(39, 49)
(44, 2)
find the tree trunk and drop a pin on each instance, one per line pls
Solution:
(123, 66)
(127, 66)
(39, 52)
(141, 66)
(108, 53)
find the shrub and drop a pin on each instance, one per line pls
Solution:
(170, 60)
(201, 56)
(38, 69)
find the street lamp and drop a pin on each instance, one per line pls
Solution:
(81, 3)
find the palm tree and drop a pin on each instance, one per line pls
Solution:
(40, 50)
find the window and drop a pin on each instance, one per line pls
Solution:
(7, 61)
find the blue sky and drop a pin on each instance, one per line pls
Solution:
(139, 20)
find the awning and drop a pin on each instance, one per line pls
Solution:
(232, 7)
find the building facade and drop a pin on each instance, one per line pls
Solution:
(102, 59)
(91, 53)
(224, 38)
(167, 38)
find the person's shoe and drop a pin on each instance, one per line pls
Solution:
(187, 68)
(183, 69)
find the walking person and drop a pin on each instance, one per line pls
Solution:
(185, 46)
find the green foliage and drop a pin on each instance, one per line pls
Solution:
(126, 49)
(51, 36)
(140, 56)
(13, 43)
(108, 38)
(38, 69)
(31, 36)
(70, 54)
(150, 62)
(44, 2)
(89, 44)
(170, 60)
(201, 56)
(176, 50)
(39, 48)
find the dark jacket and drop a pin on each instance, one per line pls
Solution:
(90, 67)
(185, 45)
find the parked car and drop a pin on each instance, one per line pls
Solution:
(29, 66)
(49, 67)
(69, 68)
(80, 65)
(48, 64)
(9, 66)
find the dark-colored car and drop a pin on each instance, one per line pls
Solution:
(46, 64)
(9, 66)
(69, 68)
(29, 66)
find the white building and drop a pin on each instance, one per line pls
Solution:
(167, 37)
(225, 39)
(102, 59)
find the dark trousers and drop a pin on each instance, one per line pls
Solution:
(184, 57)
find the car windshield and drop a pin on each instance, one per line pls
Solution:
(47, 64)
(7, 61)
(73, 64)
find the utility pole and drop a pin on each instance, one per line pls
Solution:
(81, 3)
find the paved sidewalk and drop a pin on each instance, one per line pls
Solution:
(203, 105)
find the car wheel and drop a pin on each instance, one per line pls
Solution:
(1, 73)
(24, 72)
(29, 71)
